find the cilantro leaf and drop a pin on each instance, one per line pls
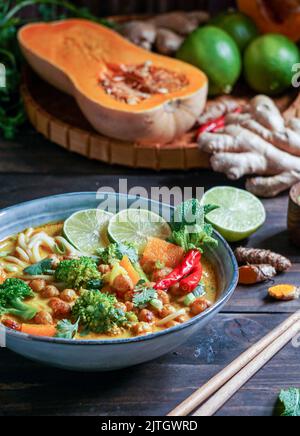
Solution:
(289, 402)
(143, 295)
(39, 268)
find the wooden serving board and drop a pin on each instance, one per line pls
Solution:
(57, 116)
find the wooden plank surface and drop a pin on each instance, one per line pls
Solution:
(30, 168)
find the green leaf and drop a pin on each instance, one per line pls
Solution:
(290, 402)
(39, 268)
(66, 330)
(143, 296)
(94, 285)
(190, 213)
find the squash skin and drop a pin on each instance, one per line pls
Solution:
(254, 9)
(160, 120)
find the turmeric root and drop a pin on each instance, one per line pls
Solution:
(285, 292)
(257, 141)
(253, 274)
(255, 256)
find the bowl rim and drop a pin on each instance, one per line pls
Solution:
(94, 342)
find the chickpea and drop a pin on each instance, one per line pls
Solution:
(50, 292)
(128, 296)
(121, 306)
(13, 325)
(129, 306)
(68, 295)
(167, 310)
(161, 274)
(37, 285)
(146, 316)
(43, 318)
(60, 308)
(141, 328)
(163, 297)
(123, 284)
(199, 306)
(104, 269)
(175, 290)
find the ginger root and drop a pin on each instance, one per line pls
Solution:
(256, 256)
(140, 33)
(285, 292)
(257, 141)
(253, 274)
(165, 33)
(168, 42)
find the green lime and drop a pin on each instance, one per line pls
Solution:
(240, 213)
(269, 62)
(216, 53)
(239, 26)
(136, 226)
(87, 230)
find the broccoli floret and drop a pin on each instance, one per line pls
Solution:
(12, 294)
(98, 312)
(79, 273)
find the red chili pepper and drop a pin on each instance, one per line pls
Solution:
(215, 125)
(190, 283)
(190, 261)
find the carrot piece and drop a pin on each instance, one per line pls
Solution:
(133, 274)
(3, 276)
(39, 330)
(158, 250)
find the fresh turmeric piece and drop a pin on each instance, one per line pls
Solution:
(284, 292)
(253, 274)
(256, 256)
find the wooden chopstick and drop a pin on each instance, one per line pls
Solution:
(229, 389)
(210, 388)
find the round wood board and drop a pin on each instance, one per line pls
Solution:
(57, 116)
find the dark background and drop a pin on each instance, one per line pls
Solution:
(116, 7)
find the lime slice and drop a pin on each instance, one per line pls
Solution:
(87, 230)
(240, 214)
(136, 226)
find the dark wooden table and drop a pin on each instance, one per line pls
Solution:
(30, 168)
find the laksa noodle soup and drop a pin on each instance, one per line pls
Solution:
(104, 276)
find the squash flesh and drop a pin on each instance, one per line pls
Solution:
(82, 52)
(260, 11)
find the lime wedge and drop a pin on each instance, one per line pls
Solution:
(136, 226)
(240, 213)
(87, 230)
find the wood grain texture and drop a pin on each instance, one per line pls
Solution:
(31, 167)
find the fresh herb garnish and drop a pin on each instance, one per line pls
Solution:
(190, 229)
(143, 295)
(12, 114)
(289, 402)
(40, 268)
(66, 330)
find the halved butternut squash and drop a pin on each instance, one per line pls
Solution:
(274, 16)
(124, 91)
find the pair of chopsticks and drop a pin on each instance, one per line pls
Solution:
(213, 395)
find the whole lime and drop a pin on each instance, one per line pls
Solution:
(216, 54)
(239, 26)
(269, 62)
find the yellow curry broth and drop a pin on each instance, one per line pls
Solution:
(209, 279)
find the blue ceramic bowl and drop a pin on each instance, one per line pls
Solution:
(115, 353)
